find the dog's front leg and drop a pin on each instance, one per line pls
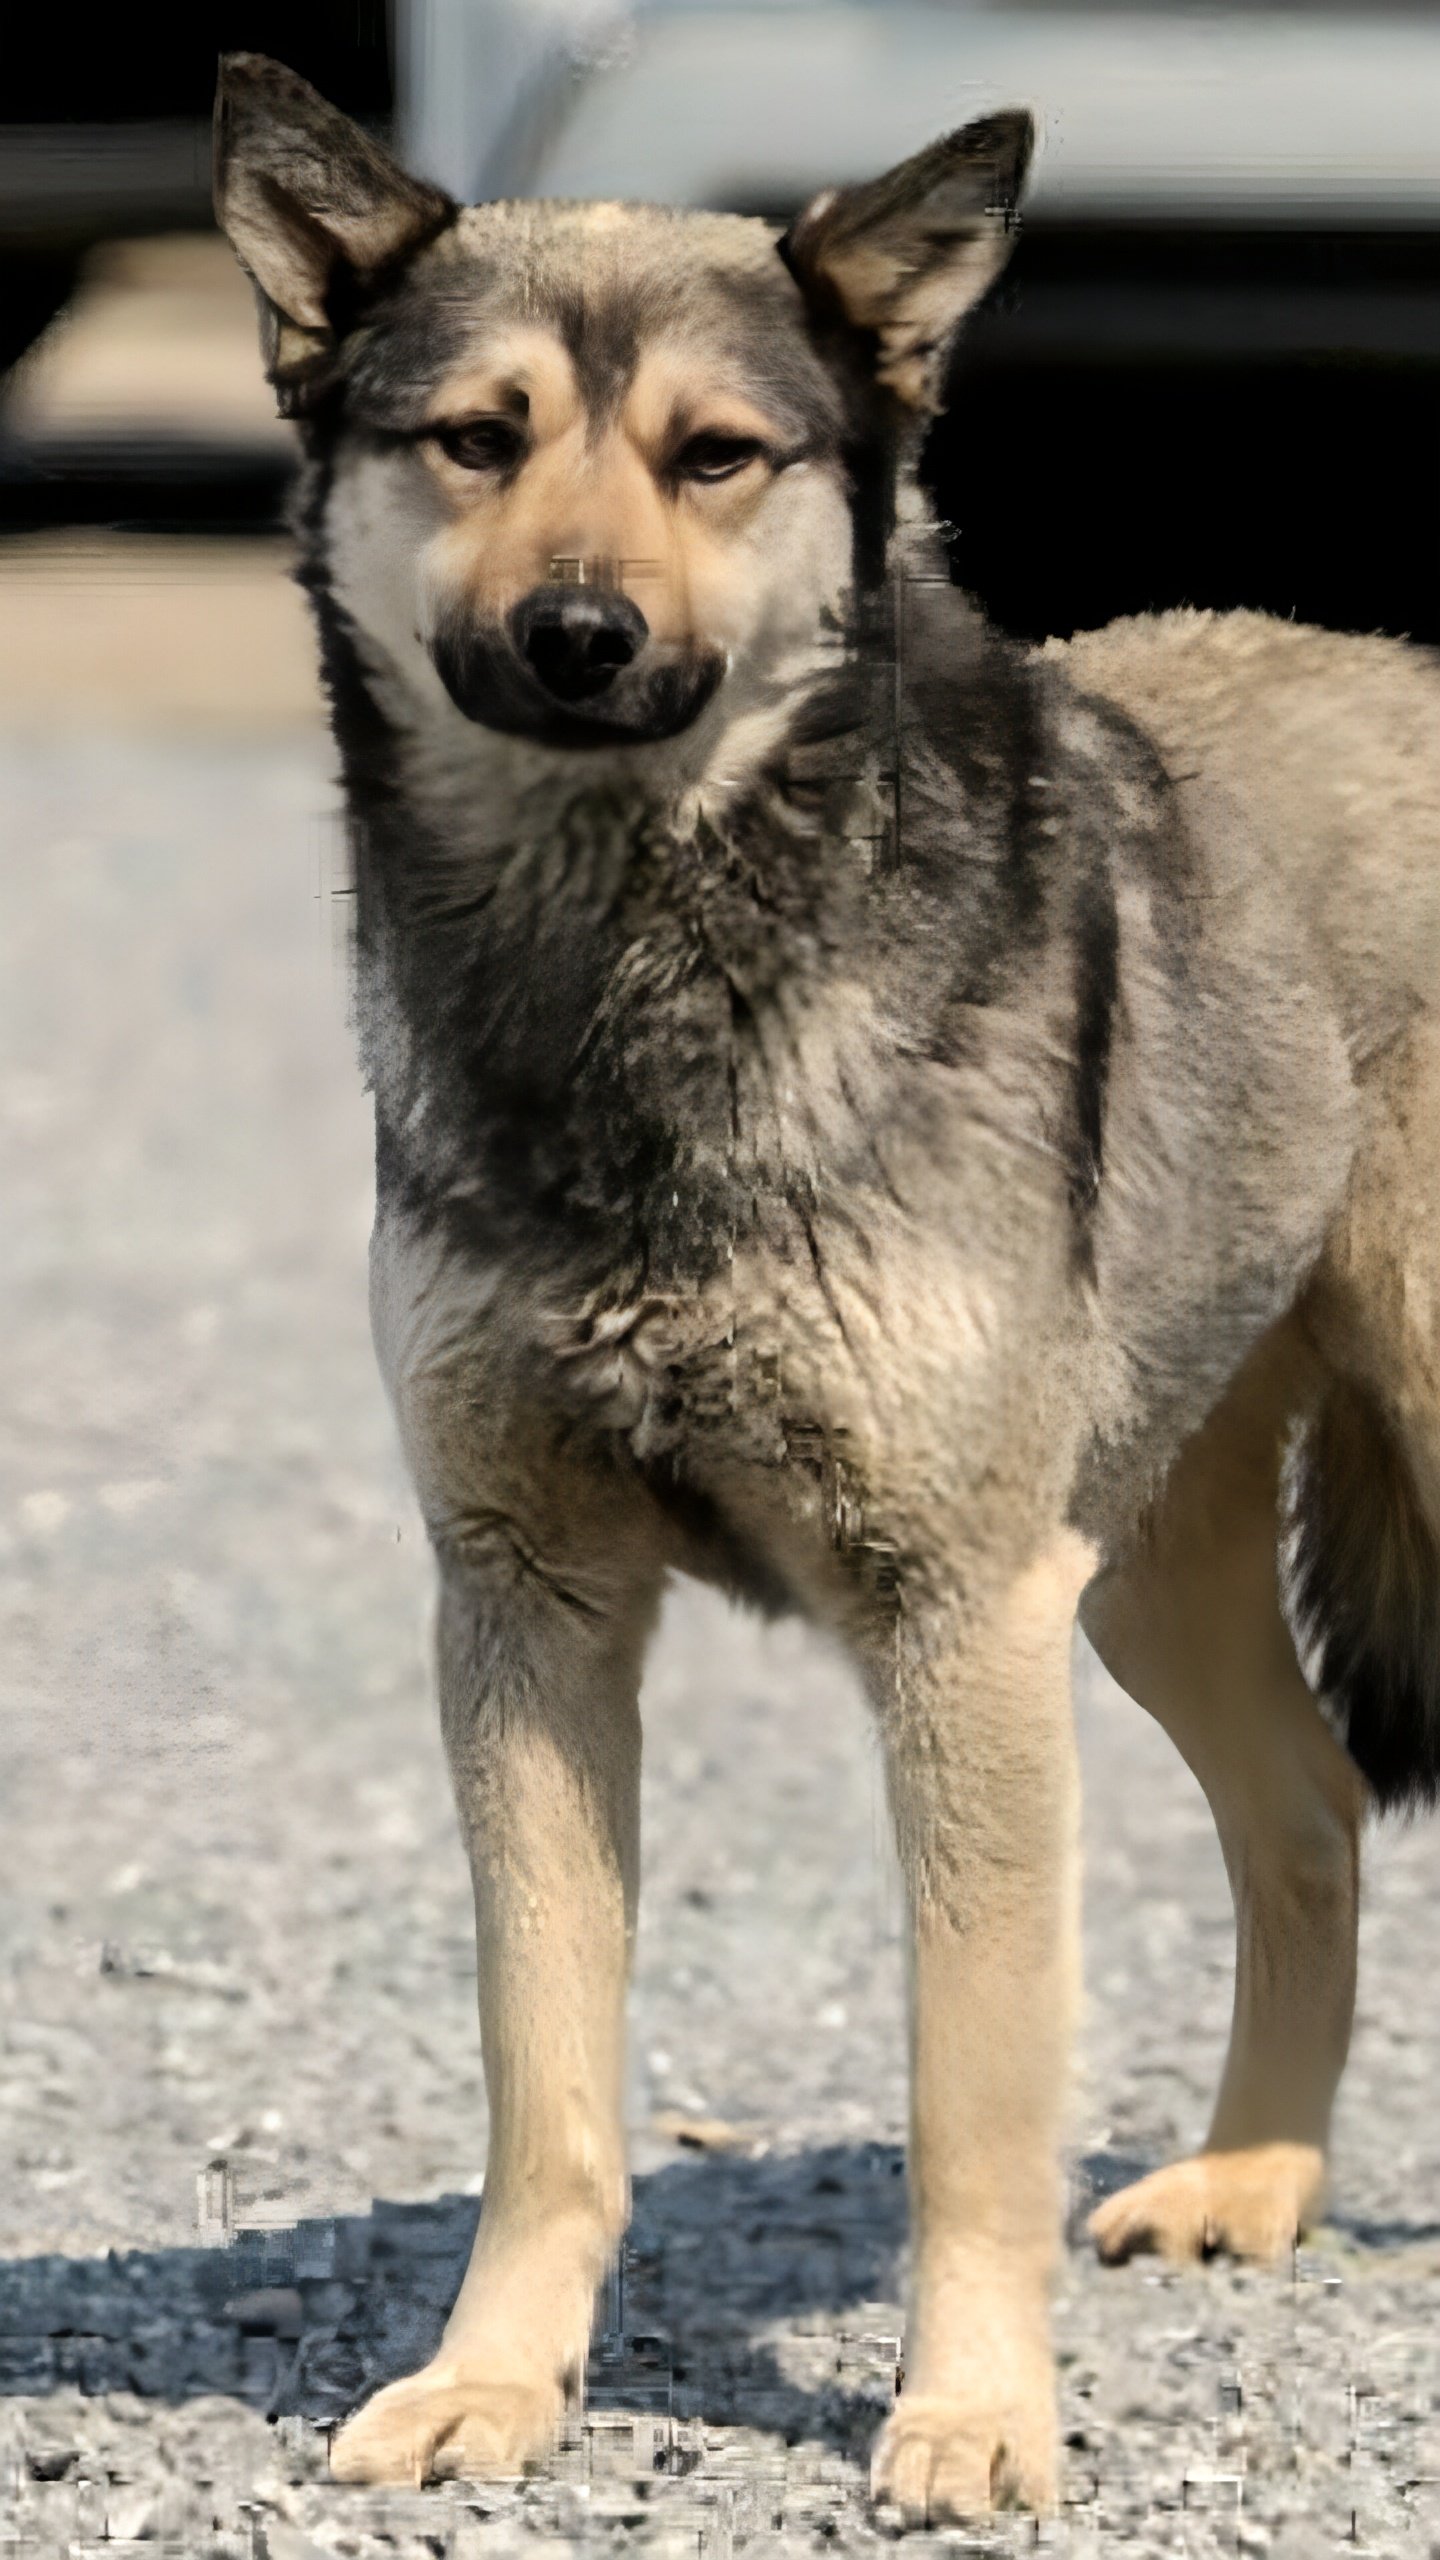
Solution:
(983, 1786)
(539, 1701)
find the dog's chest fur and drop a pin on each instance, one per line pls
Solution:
(649, 1094)
(769, 1140)
(687, 1130)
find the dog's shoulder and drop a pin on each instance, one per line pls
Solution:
(1230, 685)
(1308, 765)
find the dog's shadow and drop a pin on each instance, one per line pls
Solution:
(756, 2291)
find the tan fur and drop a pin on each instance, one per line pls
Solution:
(1314, 759)
(680, 550)
(544, 1755)
(994, 1979)
(1307, 758)
(1192, 1625)
(909, 315)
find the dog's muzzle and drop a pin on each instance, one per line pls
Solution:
(573, 667)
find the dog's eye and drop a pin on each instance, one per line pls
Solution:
(482, 444)
(715, 456)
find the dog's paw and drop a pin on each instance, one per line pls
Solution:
(942, 2461)
(1250, 2204)
(445, 2424)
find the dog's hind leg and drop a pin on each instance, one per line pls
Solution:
(539, 1675)
(1192, 1625)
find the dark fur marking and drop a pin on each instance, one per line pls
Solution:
(1097, 969)
(870, 473)
(742, 1570)
(804, 1211)
(470, 1538)
(1365, 1593)
(602, 335)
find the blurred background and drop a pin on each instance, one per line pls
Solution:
(1211, 373)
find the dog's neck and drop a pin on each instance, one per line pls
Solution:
(549, 945)
(505, 885)
(444, 811)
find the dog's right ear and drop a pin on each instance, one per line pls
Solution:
(307, 202)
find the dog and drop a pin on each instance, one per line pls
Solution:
(923, 1131)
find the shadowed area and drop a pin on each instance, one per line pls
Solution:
(305, 2318)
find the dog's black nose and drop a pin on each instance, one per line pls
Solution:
(576, 639)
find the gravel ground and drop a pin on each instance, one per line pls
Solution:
(243, 2122)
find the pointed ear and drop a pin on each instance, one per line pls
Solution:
(307, 202)
(907, 255)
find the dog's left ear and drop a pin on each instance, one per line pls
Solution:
(906, 256)
(310, 205)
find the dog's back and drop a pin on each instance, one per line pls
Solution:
(1306, 759)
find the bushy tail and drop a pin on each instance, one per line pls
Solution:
(1365, 1595)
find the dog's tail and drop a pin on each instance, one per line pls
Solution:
(1365, 1594)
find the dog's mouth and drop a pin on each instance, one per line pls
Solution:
(574, 668)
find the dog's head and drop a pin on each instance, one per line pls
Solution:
(597, 467)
